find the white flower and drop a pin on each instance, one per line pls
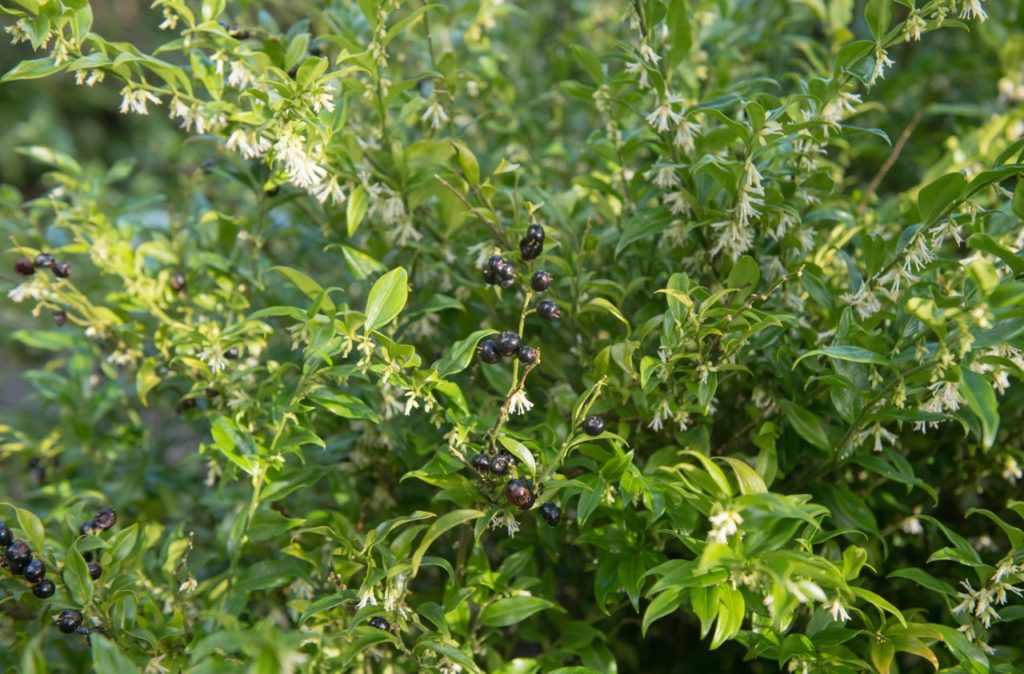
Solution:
(919, 254)
(664, 116)
(435, 115)
(882, 436)
(508, 520)
(367, 598)
(518, 403)
(724, 524)
(664, 177)
(170, 21)
(240, 76)
(648, 54)
(881, 62)
(839, 107)
(330, 190)
(251, 145)
(213, 356)
(410, 403)
(135, 100)
(972, 9)
(393, 209)
(947, 393)
(678, 203)
(685, 132)
(912, 526)
(864, 302)
(837, 610)
(1012, 470)
(323, 100)
(640, 71)
(219, 58)
(806, 591)
(913, 26)
(733, 239)
(88, 77)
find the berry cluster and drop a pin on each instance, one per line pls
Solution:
(19, 561)
(27, 267)
(532, 245)
(101, 521)
(499, 272)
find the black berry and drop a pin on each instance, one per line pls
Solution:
(87, 555)
(519, 494)
(548, 310)
(380, 623)
(34, 571)
(6, 535)
(177, 282)
(501, 464)
(105, 518)
(24, 266)
(232, 353)
(507, 282)
(62, 270)
(529, 355)
(488, 351)
(594, 425)
(95, 570)
(530, 249)
(481, 463)
(490, 276)
(540, 281)
(60, 318)
(19, 555)
(551, 513)
(44, 589)
(508, 343)
(69, 620)
(45, 261)
(87, 527)
(535, 233)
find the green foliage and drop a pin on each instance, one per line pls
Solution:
(786, 245)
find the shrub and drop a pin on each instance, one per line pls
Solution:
(483, 337)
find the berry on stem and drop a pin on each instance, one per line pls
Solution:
(528, 355)
(501, 464)
(105, 518)
(535, 233)
(87, 527)
(519, 494)
(69, 620)
(232, 353)
(19, 555)
(551, 513)
(488, 351)
(45, 261)
(380, 623)
(6, 535)
(60, 318)
(540, 281)
(530, 249)
(548, 310)
(594, 425)
(177, 282)
(44, 589)
(95, 570)
(34, 571)
(508, 343)
(24, 266)
(481, 463)
(62, 270)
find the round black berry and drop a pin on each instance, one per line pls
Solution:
(530, 249)
(45, 261)
(105, 518)
(6, 535)
(501, 464)
(529, 355)
(69, 620)
(594, 425)
(540, 281)
(232, 353)
(87, 555)
(488, 351)
(507, 282)
(24, 266)
(490, 276)
(19, 555)
(95, 570)
(62, 270)
(380, 623)
(44, 589)
(481, 463)
(518, 494)
(535, 233)
(551, 513)
(548, 310)
(34, 571)
(87, 527)
(60, 318)
(498, 265)
(508, 343)
(177, 282)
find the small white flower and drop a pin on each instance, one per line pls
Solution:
(170, 21)
(1012, 470)
(640, 71)
(435, 115)
(648, 54)
(367, 598)
(664, 177)
(664, 116)
(972, 9)
(913, 26)
(864, 302)
(507, 520)
(330, 190)
(881, 62)
(240, 76)
(724, 524)
(912, 526)
(678, 203)
(839, 108)
(135, 100)
(685, 133)
(734, 239)
(251, 145)
(213, 356)
(837, 610)
(410, 403)
(323, 100)
(518, 403)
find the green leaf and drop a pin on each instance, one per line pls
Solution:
(76, 577)
(467, 162)
(588, 62)
(981, 400)
(806, 424)
(460, 355)
(878, 14)
(307, 286)
(680, 33)
(108, 659)
(387, 298)
(936, 197)
(750, 482)
(744, 277)
(35, 533)
(441, 525)
(879, 602)
(847, 352)
(358, 204)
(520, 451)
(731, 611)
(512, 610)
(664, 604)
(345, 405)
(30, 70)
(146, 379)
(925, 580)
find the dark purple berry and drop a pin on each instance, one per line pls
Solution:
(535, 233)
(508, 343)
(105, 518)
(6, 535)
(551, 513)
(481, 463)
(87, 555)
(380, 623)
(490, 276)
(488, 351)
(500, 464)
(518, 494)
(19, 555)
(232, 353)
(34, 571)
(45, 261)
(95, 570)
(540, 281)
(177, 282)
(24, 266)
(528, 355)
(497, 264)
(60, 318)
(507, 282)
(530, 249)
(44, 589)
(62, 270)
(548, 310)
(594, 425)
(87, 527)
(69, 620)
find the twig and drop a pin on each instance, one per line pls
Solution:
(897, 149)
